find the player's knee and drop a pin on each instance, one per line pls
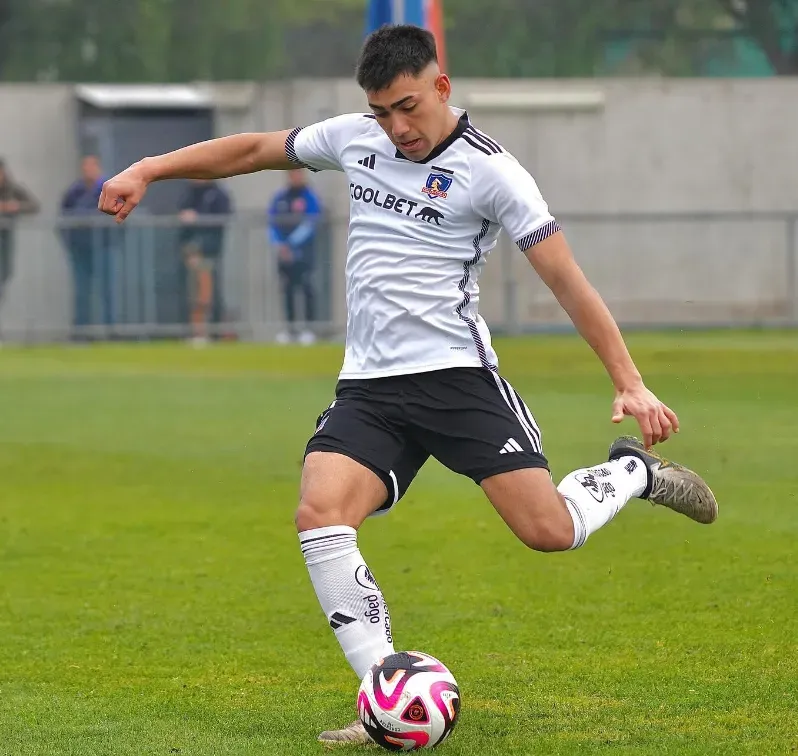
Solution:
(548, 535)
(316, 512)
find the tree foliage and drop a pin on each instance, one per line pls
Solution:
(185, 40)
(774, 26)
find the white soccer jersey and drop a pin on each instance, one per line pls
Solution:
(419, 235)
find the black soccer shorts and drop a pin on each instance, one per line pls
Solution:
(470, 419)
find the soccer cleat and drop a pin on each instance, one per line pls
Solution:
(352, 734)
(670, 484)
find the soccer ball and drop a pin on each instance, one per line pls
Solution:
(407, 701)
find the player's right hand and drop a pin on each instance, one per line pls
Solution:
(656, 420)
(122, 193)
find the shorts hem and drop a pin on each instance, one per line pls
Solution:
(511, 465)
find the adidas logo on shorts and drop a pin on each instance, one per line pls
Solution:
(511, 446)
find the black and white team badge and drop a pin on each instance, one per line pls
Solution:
(438, 184)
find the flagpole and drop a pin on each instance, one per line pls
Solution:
(434, 22)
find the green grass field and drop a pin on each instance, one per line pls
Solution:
(153, 599)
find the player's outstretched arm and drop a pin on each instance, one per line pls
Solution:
(554, 263)
(217, 158)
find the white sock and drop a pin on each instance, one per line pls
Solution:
(595, 495)
(348, 594)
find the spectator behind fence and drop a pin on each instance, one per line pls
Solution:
(14, 201)
(293, 224)
(201, 247)
(89, 248)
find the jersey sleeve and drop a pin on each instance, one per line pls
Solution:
(505, 193)
(319, 146)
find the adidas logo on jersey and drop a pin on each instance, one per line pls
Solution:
(511, 446)
(368, 162)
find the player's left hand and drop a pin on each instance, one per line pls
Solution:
(656, 420)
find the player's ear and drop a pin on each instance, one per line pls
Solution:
(443, 87)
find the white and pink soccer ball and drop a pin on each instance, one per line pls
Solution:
(408, 701)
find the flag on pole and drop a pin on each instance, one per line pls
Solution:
(433, 21)
(425, 13)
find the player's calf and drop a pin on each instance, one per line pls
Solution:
(546, 518)
(549, 535)
(337, 494)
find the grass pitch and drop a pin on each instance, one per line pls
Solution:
(153, 599)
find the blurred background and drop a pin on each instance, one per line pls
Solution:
(662, 134)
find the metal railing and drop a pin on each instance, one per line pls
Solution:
(663, 270)
(86, 278)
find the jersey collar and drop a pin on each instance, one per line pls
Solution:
(462, 125)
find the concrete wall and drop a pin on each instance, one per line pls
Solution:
(655, 145)
(651, 146)
(38, 140)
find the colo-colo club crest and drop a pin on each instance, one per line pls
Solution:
(438, 184)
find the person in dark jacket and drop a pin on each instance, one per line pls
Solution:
(293, 221)
(202, 245)
(88, 246)
(14, 201)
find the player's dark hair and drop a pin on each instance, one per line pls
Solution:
(393, 51)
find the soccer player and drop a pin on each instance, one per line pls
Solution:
(429, 194)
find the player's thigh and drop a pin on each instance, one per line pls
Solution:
(359, 462)
(336, 490)
(475, 423)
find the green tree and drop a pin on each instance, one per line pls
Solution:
(773, 24)
(157, 40)
(185, 40)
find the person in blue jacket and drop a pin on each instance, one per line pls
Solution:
(293, 224)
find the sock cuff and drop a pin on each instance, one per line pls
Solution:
(322, 544)
(317, 534)
(629, 463)
(624, 453)
(580, 524)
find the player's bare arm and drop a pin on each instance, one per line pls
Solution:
(216, 158)
(554, 263)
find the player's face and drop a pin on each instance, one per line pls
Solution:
(413, 111)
